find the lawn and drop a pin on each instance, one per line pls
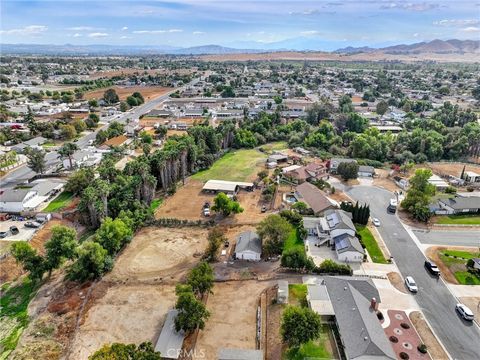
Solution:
(275, 146)
(316, 349)
(59, 202)
(459, 220)
(457, 265)
(297, 294)
(239, 165)
(13, 313)
(155, 204)
(371, 244)
(294, 241)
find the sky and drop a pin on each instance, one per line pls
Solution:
(325, 24)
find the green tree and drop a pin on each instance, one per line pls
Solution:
(61, 246)
(419, 195)
(296, 258)
(110, 96)
(345, 104)
(192, 313)
(381, 107)
(93, 103)
(300, 206)
(299, 326)
(132, 101)
(36, 160)
(348, 170)
(215, 238)
(67, 132)
(124, 106)
(273, 230)
(93, 261)
(66, 152)
(23, 253)
(201, 278)
(223, 204)
(117, 351)
(113, 234)
(79, 180)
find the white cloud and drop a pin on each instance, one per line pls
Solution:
(125, 37)
(157, 31)
(198, 33)
(77, 35)
(31, 30)
(457, 22)
(471, 29)
(425, 6)
(124, 28)
(415, 35)
(82, 28)
(309, 32)
(97, 35)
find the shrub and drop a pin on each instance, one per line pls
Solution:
(393, 339)
(422, 348)
(331, 267)
(405, 325)
(404, 356)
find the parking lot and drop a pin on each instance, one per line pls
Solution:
(24, 234)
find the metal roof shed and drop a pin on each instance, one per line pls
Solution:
(239, 354)
(170, 341)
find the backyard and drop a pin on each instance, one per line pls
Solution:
(473, 219)
(294, 241)
(371, 244)
(60, 202)
(238, 165)
(456, 261)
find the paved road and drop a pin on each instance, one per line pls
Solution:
(449, 237)
(23, 173)
(461, 339)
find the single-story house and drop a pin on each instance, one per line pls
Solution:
(314, 198)
(159, 113)
(239, 354)
(366, 171)
(460, 205)
(471, 177)
(227, 187)
(319, 300)
(334, 162)
(47, 187)
(170, 341)
(16, 201)
(248, 246)
(310, 172)
(32, 143)
(277, 158)
(438, 182)
(116, 141)
(348, 248)
(338, 222)
(354, 303)
(301, 151)
(82, 158)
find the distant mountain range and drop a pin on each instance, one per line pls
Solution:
(297, 44)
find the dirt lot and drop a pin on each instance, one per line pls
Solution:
(454, 169)
(159, 253)
(131, 71)
(232, 323)
(382, 180)
(434, 348)
(191, 194)
(148, 92)
(397, 282)
(127, 313)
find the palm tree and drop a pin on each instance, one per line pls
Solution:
(67, 150)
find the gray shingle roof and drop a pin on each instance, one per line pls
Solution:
(314, 197)
(248, 240)
(340, 219)
(360, 329)
(460, 203)
(11, 195)
(346, 242)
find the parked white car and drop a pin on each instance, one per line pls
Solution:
(376, 222)
(410, 284)
(464, 312)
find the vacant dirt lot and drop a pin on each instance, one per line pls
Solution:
(232, 323)
(159, 253)
(454, 169)
(148, 92)
(434, 348)
(188, 201)
(127, 314)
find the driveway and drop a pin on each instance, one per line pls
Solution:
(449, 237)
(460, 338)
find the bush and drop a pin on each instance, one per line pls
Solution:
(405, 325)
(296, 258)
(370, 162)
(393, 339)
(404, 356)
(422, 348)
(451, 190)
(331, 267)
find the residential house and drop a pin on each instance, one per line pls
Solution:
(471, 177)
(159, 113)
(314, 198)
(17, 201)
(354, 302)
(248, 246)
(366, 171)
(319, 301)
(34, 143)
(460, 205)
(115, 141)
(82, 158)
(334, 162)
(310, 172)
(348, 248)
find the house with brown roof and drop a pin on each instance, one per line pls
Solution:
(309, 172)
(116, 141)
(314, 198)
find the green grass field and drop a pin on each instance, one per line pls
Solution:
(458, 265)
(59, 202)
(461, 254)
(297, 294)
(279, 145)
(316, 349)
(13, 314)
(238, 165)
(371, 244)
(459, 220)
(294, 241)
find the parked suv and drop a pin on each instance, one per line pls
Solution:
(432, 267)
(464, 312)
(14, 230)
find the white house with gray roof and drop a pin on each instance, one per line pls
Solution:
(16, 201)
(460, 205)
(248, 246)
